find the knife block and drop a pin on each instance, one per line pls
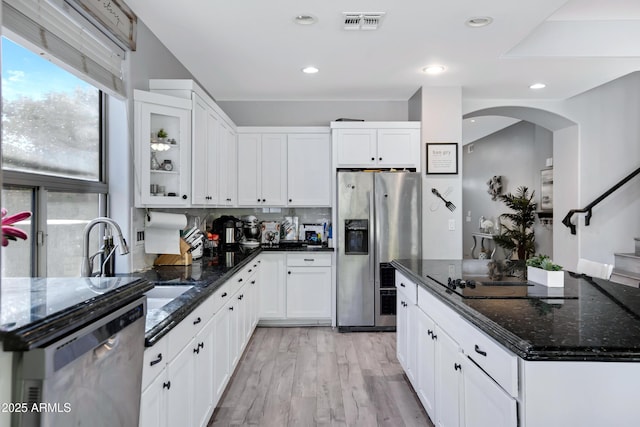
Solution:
(184, 258)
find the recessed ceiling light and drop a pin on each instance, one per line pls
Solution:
(305, 19)
(434, 69)
(479, 21)
(538, 86)
(473, 120)
(310, 70)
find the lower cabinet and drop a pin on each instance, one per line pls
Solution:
(452, 388)
(295, 287)
(184, 378)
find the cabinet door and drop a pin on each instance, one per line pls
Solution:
(309, 170)
(308, 292)
(411, 343)
(356, 147)
(272, 281)
(484, 402)
(401, 329)
(228, 166)
(152, 113)
(221, 351)
(426, 362)
(237, 308)
(153, 407)
(180, 397)
(249, 170)
(398, 148)
(205, 153)
(448, 380)
(203, 397)
(274, 170)
(252, 305)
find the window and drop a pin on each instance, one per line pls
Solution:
(52, 162)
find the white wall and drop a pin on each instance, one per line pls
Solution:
(441, 122)
(603, 148)
(517, 153)
(311, 113)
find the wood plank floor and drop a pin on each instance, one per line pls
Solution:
(319, 377)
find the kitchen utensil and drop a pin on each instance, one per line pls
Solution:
(447, 203)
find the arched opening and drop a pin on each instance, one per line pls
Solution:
(523, 146)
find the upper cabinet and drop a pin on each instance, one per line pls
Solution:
(309, 169)
(162, 150)
(214, 153)
(377, 144)
(262, 173)
(284, 166)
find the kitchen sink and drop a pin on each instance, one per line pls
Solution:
(160, 296)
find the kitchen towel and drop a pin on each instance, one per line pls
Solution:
(162, 232)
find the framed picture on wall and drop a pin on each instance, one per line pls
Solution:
(546, 189)
(442, 158)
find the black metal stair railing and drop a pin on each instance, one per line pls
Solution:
(588, 209)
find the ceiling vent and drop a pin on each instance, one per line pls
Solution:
(362, 21)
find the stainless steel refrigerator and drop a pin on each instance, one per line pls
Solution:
(379, 219)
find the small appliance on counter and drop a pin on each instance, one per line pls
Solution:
(229, 228)
(270, 233)
(312, 234)
(251, 231)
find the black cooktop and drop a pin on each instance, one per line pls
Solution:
(481, 287)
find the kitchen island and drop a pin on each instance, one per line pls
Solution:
(518, 356)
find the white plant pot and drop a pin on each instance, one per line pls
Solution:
(545, 277)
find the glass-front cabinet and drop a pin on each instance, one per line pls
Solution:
(163, 150)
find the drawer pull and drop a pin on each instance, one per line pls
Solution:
(158, 360)
(457, 367)
(250, 270)
(434, 337)
(201, 345)
(480, 352)
(198, 320)
(429, 332)
(240, 296)
(309, 259)
(253, 282)
(223, 295)
(196, 350)
(402, 284)
(240, 280)
(166, 385)
(231, 308)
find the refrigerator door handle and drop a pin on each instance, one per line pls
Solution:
(372, 239)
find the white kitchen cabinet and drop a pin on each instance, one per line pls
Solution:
(153, 406)
(272, 278)
(262, 160)
(426, 361)
(406, 326)
(485, 403)
(163, 171)
(221, 353)
(205, 149)
(380, 144)
(180, 390)
(228, 166)
(203, 354)
(308, 292)
(309, 169)
(448, 380)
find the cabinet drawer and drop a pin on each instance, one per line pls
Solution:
(443, 315)
(155, 360)
(189, 327)
(493, 358)
(407, 287)
(309, 259)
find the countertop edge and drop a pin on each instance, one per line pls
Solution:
(38, 333)
(512, 342)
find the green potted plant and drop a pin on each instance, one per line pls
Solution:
(517, 233)
(541, 269)
(162, 134)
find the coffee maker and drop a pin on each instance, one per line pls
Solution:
(229, 228)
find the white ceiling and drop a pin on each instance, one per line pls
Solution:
(253, 50)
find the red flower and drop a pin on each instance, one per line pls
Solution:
(8, 231)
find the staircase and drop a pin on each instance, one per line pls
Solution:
(627, 267)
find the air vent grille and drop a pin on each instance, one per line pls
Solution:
(354, 21)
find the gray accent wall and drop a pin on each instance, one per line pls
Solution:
(311, 113)
(517, 153)
(415, 106)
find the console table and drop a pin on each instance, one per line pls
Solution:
(482, 237)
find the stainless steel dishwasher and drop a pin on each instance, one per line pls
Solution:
(90, 377)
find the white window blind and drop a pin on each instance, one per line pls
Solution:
(75, 43)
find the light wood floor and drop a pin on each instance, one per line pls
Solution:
(319, 377)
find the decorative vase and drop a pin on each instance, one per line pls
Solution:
(545, 277)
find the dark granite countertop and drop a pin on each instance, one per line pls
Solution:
(601, 324)
(35, 311)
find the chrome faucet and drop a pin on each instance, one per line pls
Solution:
(87, 267)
